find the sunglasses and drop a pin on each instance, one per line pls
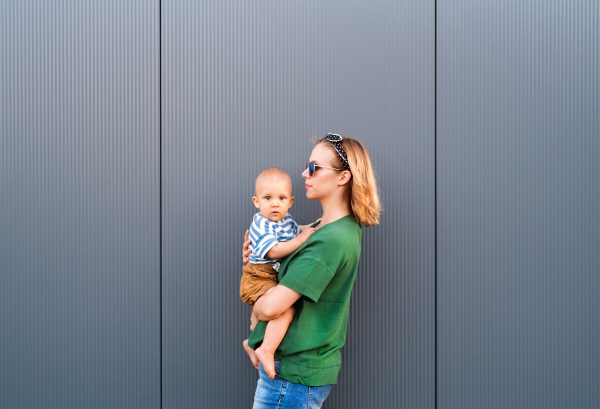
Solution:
(311, 168)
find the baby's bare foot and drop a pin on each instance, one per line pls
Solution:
(251, 354)
(267, 359)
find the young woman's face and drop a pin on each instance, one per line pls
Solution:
(323, 181)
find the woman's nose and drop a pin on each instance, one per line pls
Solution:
(305, 174)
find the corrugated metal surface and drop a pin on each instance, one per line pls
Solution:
(518, 204)
(246, 85)
(79, 205)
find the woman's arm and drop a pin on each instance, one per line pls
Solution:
(274, 302)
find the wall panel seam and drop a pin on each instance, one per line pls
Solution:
(160, 207)
(435, 211)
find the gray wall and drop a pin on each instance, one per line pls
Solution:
(246, 86)
(130, 137)
(79, 205)
(518, 209)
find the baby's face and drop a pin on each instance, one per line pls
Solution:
(273, 198)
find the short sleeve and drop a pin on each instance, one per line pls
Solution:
(297, 228)
(310, 269)
(263, 238)
(308, 277)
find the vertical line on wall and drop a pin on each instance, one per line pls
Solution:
(160, 196)
(435, 208)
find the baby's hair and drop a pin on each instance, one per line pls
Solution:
(273, 174)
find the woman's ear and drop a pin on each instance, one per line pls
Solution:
(344, 178)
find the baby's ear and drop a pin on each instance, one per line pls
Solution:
(291, 201)
(255, 201)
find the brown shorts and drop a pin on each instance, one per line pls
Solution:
(256, 280)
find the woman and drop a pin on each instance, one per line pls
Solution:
(317, 279)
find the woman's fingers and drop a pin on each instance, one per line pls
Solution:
(246, 252)
(246, 241)
(253, 321)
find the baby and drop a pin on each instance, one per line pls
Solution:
(274, 235)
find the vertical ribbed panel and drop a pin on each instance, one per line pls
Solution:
(246, 85)
(518, 204)
(79, 204)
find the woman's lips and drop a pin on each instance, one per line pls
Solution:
(306, 186)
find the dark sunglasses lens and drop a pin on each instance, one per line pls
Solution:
(311, 168)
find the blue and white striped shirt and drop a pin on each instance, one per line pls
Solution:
(266, 233)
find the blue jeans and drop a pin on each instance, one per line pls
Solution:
(281, 394)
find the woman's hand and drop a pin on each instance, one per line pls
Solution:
(253, 321)
(246, 252)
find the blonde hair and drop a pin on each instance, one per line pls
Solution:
(363, 192)
(273, 174)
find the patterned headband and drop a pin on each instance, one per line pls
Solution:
(336, 141)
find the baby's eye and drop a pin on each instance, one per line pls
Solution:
(282, 198)
(268, 197)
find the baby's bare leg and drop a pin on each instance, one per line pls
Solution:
(249, 350)
(274, 334)
(251, 354)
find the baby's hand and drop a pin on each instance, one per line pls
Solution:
(306, 234)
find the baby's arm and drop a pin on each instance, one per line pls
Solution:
(285, 248)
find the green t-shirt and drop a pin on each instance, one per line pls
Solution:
(323, 270)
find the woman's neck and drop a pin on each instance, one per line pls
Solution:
(334, 209)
